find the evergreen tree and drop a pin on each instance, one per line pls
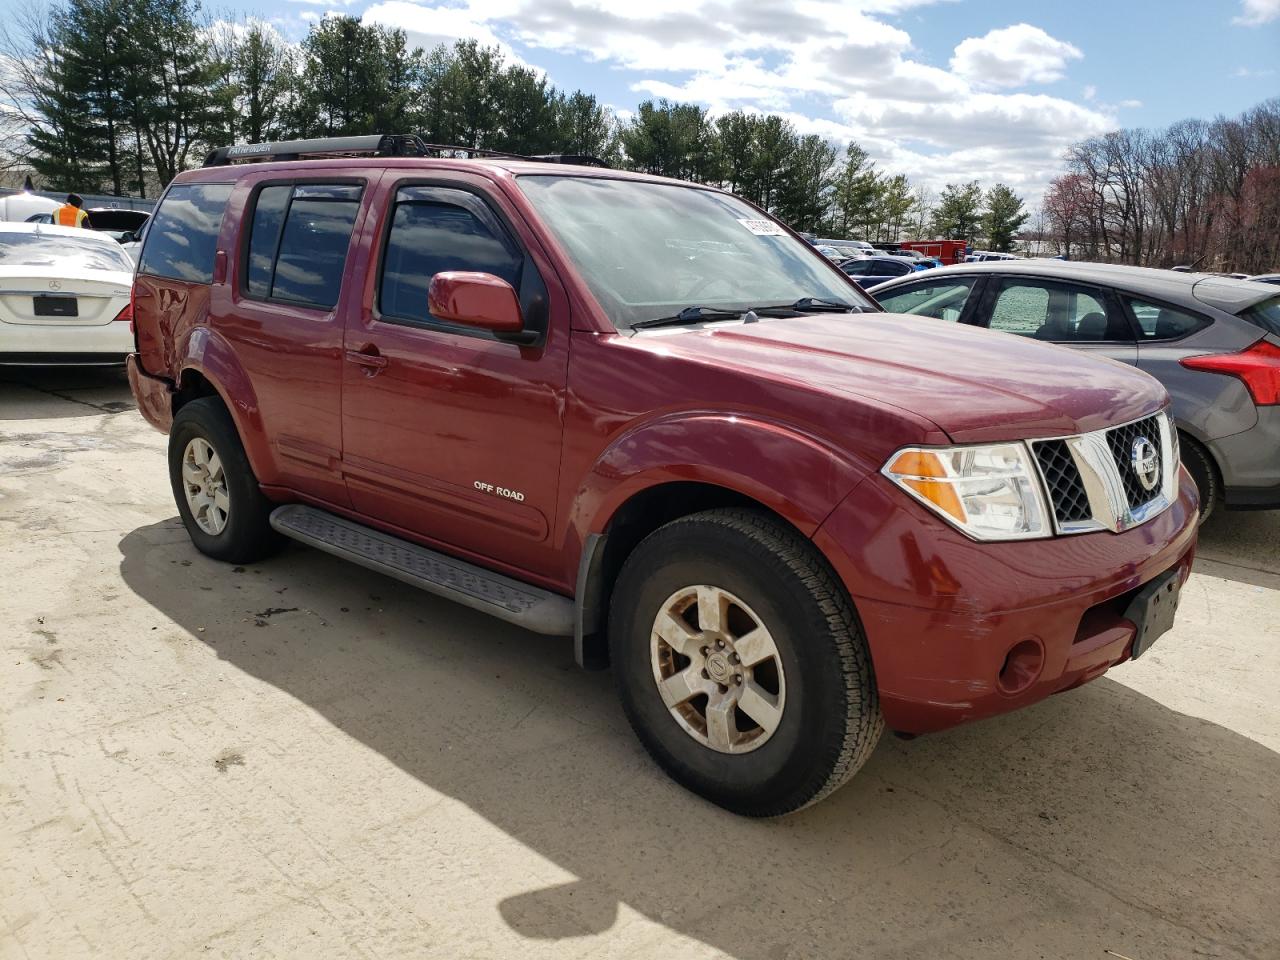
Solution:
(854, 193)
(959, 211)
(1002, 218)
(261, 74)
(807, 192)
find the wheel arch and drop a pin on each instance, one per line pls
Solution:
(604, 552)
(210, 368)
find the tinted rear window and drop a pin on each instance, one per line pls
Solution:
(1265, 315)
(184, 232)
(298, 242)
(1160, 322)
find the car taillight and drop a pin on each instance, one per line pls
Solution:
(126, 314)
(1258, 368)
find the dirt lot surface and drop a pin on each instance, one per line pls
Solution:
(300, 758)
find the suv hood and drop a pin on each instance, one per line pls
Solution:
(975, 384)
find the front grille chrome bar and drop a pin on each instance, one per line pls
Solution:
(1110, 507)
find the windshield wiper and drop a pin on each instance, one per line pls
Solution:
(819, 305)
(689, 315)
(698, 314)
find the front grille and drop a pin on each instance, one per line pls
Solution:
(1103, 462)
(1121, 441)
(1062, 478)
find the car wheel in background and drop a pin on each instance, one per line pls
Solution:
(1203, 471)
(741, 664)
(217, 494)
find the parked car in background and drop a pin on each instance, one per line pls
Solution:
(120, 225)
(869, 272)
(21, 206)
(843, 244)
(64, 296)
(727, 474)
(1273, 278)
(917, 258)
(984, 256)
(1213, 342)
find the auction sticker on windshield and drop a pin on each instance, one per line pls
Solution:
(763, 228)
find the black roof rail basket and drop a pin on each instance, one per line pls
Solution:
(377, 145)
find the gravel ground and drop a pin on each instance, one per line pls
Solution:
(301, 758)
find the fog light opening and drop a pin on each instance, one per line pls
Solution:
(1022, 666)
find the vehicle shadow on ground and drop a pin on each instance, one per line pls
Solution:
(56, 393)
(1241, 545)
(1099, 819)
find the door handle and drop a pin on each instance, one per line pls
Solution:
(367, 357)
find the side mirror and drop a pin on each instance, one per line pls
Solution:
(128, 237)
(478, 300)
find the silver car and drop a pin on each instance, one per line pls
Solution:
(1212, 341)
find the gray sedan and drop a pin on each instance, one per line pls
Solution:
(1213, 342)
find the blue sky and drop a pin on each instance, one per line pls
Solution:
(942, 90)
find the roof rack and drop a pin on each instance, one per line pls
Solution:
(378, 144)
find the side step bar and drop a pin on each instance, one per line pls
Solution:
(520, 603)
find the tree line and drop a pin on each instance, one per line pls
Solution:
(1200, 194)
(119, 96)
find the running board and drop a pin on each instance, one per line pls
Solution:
(520, 603)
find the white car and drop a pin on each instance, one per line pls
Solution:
(64, 296)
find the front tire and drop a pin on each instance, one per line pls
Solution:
(217, 494)
(741, 664)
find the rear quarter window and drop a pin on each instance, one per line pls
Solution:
(1265, 315)
(183, 234)
(1159, 321)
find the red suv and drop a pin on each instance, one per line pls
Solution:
(643, 413)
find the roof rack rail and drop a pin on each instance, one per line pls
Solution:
(378, 144)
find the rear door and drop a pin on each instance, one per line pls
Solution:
(1080, 316)
(451, 433)
(282, 315)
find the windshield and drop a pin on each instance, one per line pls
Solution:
(648, 250)
(1265, 314)
(76, 253)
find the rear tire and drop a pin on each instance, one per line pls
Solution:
(773, 703)
(217, 494)
(1203, 471)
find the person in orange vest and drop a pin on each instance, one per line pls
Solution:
(70, 213)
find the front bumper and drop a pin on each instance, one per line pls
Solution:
(153, 394)
(948, 620)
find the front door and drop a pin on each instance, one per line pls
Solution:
(450, 433)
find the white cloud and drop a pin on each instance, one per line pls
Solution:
(1245, 73)
(835, 69)
(1090, 92)
(1013, 57)
(1254, 13)
(1129, 104)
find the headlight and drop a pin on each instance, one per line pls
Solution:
(989, 492)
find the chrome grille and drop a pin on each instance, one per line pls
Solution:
(1121, 441)
(1093, 480)
(1062, 478)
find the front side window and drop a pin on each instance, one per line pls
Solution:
(183, 234)
(1159, 322)
(298, 242)
(434, 230)
(940, 299)
(648, 250)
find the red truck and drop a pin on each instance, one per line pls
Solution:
(950, 252)
(645, 414)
